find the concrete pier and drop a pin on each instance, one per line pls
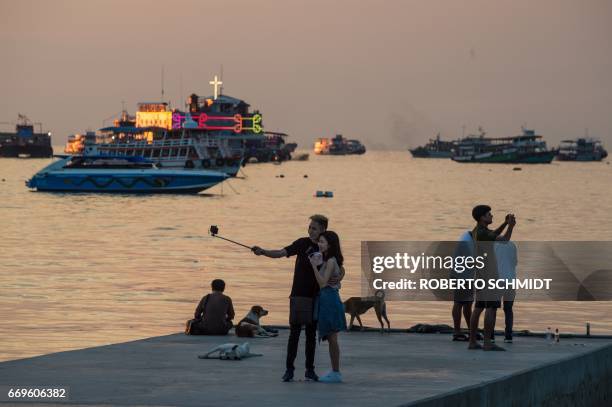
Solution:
(391, 369)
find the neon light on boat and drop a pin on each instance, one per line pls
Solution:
(255, 123)
(203, 120)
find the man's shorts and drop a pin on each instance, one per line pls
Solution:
(509, 294)
(488, 304)
(463, 296)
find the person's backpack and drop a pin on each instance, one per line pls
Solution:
(191, 324)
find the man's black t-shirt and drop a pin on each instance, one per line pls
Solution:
(304, 282)
(485, 240)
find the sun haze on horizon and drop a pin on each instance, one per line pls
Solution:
(391, 74)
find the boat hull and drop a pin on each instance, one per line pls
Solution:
(544, 157)
(580, 158)
(132, 181)
(422, 153)
(30, 151)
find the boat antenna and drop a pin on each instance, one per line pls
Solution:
(162, 84)
(181, 90)
(23, 118)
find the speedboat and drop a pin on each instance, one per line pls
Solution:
(120, 175)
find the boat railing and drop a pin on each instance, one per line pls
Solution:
(154, 143)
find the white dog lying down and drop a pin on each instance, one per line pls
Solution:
(230, 351)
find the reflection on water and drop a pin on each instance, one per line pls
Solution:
(85, 269)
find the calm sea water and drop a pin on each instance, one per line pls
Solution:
(84, 269)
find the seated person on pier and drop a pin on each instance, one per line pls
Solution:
(214, 313)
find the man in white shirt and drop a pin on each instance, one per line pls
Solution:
(505, 253)
(463, 298)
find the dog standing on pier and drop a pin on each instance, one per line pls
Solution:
(356, 306)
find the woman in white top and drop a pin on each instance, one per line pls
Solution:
(329, 310)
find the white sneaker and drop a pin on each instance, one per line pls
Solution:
(331, 377)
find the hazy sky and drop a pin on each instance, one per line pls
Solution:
(391, 73)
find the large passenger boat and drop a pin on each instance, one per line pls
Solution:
(25, 142)
(212, 133)
(526, 148)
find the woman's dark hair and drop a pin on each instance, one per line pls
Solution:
(333, 249)
(218, 285)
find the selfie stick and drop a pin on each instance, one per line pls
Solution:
(214, 230)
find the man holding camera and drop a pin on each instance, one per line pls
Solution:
(486, 299)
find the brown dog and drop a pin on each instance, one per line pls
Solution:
(356, 306)
(250, 325)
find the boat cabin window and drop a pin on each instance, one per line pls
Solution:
(102, 162)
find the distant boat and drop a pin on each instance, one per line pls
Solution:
(581, 149)
(272, 148)
(435, 148)
(526, 148)
(338, 146)
(321, 146)
(76, 142)
(355, 147)
(120, 175)
(25, 142)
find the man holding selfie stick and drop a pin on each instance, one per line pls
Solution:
(303, 292)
